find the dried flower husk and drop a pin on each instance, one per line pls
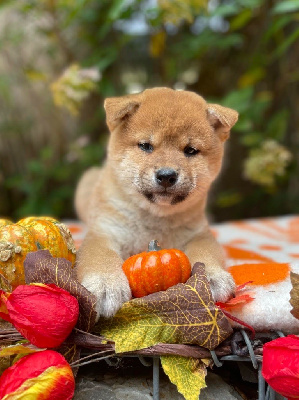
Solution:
(43, 314)
(281, 365)
(42, 375)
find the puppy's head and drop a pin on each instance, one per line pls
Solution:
(166, 146)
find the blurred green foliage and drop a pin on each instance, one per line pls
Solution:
(240, 53)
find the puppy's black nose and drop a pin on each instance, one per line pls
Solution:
(166, 177)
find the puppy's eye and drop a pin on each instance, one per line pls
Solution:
(190, 151)
(147, 147)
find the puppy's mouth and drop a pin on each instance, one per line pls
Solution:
(165, 197)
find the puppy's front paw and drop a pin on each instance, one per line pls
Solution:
(111, 292)
(222, 285)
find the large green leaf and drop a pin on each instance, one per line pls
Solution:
(284, 46)
(286, 6)
(241, 19)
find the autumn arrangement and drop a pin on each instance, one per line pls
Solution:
(53, 317)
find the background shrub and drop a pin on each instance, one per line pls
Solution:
(61, 58)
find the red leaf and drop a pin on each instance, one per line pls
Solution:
(239, 300)
(240, 287)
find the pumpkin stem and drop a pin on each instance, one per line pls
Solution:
(154, 245)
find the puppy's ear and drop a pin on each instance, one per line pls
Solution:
(119, 109)
(222, 119)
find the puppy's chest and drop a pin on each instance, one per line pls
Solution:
(136, 236)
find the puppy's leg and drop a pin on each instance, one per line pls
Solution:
(206, 249)
(99, 269)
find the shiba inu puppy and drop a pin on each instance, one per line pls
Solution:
(165, 150)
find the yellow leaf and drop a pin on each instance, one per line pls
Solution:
(74, 86)
(251, 77)
(35, 75)
(188, 374)
(18, 349)
(157, 44)
(175, 11)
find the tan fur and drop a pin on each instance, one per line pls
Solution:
(123, 204)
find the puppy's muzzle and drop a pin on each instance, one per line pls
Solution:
(166, 177)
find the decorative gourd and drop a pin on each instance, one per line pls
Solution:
(4, 222)
(52, 235)
(156, 270)
(31, 234)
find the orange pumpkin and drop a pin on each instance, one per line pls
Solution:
(31, 234)
(156, 270)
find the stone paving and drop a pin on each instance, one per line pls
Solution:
(134, 382)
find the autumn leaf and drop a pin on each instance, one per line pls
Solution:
(5, 362)
(295, 294)
(237, 301)
(174, 11)
(71, 353)
(188, 374)
(185, 313)
(4, 284)
(19, 349)
(16, 351)
(4, 314)
(10, 353)
(157, 44)
(41, 267)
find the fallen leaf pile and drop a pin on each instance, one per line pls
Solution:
(185, 313)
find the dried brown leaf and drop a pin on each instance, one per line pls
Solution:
(4, 284)
(5, 362)
(295, 295)
(71, 353)
(41, 267)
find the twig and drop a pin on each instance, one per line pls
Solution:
(93, 355)
(94, 342)
(91, 361)
(185, 350)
